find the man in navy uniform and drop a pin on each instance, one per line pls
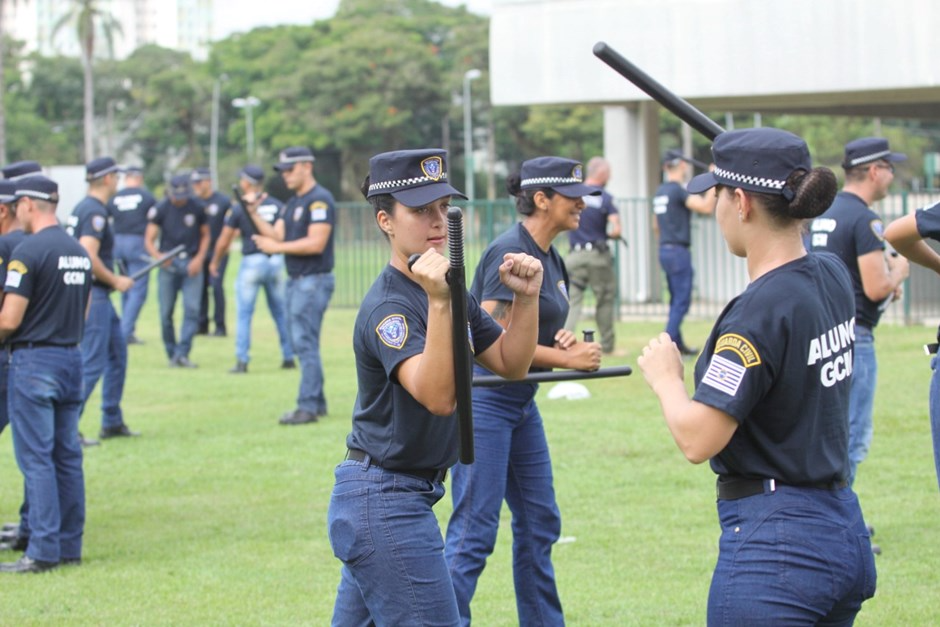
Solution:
(21, 169)
(104, 349)
(257, 270)
(304, 234)
(179, 219)
(128, 209)
(217, 205)
(43, 317)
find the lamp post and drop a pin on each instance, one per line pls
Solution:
(470, 75)
(248, 103)
(214, 131)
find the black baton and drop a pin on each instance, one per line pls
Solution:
(463, 359)
(156, 262)
(238, 196)
(492, 380)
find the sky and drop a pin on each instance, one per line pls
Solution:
(243, 15)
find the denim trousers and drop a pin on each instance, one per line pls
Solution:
(794, 556)
(130, 250)
(259, 271)
(171, 281)
(594, 269)
(104, 352)
(4, 421)
(861, 398)
(307, 299)
(676, 262)
(214, 287)
(45, 393)
(512, 463)
(382, 527)
(935, 413)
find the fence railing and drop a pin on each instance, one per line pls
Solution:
(361, 253)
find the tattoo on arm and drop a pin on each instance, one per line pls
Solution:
(502, 311)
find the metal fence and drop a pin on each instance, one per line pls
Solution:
(361, 253)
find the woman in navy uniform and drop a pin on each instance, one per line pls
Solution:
(404, 432)
(770, 407)
(512, 460)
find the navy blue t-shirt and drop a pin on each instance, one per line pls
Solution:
(178, 225)
(8, 244)
(217, 205)
(236, 218)
(593, 225)
(850, 229)
(90, 219)
(782, 368)
(553, 296)
(672, 216)
(388, 423)
(315, 207)
(53, 271)
(129, 209)
(927, 220)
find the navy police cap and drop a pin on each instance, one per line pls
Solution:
(38, 187)
(200, 174)
(133, 170)
(253, 174)
(413, 177)
(292, 155)
(96, 168)
(754, 159)
(673, 155)
(179, 186)
(867, 150)
(7, 192)
(21, 169)
(565, 176)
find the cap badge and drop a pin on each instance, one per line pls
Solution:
(577, 173)
(433, 168)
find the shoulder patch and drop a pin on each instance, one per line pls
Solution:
(878, 228)
(393, 331)
(740, 347)
(98, 222)
(724, 375)
(151, 213)
(18, 266)
(318, 210)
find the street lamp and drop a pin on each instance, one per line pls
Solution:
(248, 103)
(470, 75)
(214, 131)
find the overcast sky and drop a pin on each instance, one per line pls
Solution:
(243, 15)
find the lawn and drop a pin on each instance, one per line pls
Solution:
(217, 514)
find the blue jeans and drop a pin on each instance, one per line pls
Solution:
(512, 463)
(307, 299)
(104, 351)
(214, 285)
(935, 413)
(676, 262)
(130, 250)
(260, 271)
(4, 421)
(45, 396)
(382, 528)
(173, 280)
(861, 398)
(797, 556)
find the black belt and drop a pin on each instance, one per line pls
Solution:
(430, 474)
(600, 247)
(18, 345)
(732, 488)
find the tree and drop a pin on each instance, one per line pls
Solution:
(87, 18)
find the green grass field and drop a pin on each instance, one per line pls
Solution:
(217, 514)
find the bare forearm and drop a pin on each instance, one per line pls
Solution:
(434, 378)
(519, 343)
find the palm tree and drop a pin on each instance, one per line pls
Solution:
(87, 17)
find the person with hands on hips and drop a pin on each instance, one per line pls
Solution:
(404, 428)
(512, 458)
(771, 400)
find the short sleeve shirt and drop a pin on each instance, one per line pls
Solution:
(593, 225)
(388, 423)
(52, 271)
(672, 216)
(8, 243)
(236, 218)
(781, 367)
(178, 225)
(553, 296)
(927, 220)
(217, 205)
(90, 219)
(128, 210)
(315, 207)
(850, 229)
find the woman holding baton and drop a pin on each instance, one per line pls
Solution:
(404, 432)
(770, 406)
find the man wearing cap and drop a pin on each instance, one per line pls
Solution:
(179, 219)
(21, 169)
(304, 234)
(591, 262)
(43, 317)
(257, 270)
(855, 233)
(673, 207)
(217, 205)
(11, 235)
(128, 209)
(104, 349)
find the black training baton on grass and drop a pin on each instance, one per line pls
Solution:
(463, 359)
(158, 261)
(682, 109)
